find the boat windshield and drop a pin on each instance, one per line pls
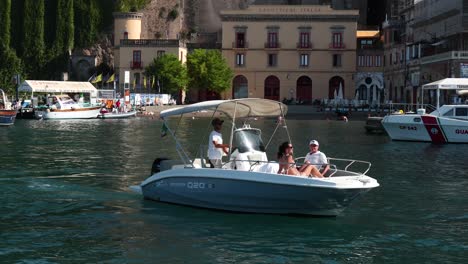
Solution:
(247, 140)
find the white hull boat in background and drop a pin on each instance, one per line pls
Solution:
(119, 115)
(247, 181)
(53, 99)
(63, 107)
(447, 124)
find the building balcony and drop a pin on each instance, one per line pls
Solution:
(304, 45)
(135, 65)
(446, 56)
(240, 45)
(272, 45)
(151, 43)
(337, 46)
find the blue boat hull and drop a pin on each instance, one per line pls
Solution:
(7, 117)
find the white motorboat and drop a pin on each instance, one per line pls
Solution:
(64, 107)
(247, 181)
(447, 124)
(53, 99)
(117, 115)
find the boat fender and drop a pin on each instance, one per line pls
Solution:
(157, 165)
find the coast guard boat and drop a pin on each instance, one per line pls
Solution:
(248, 181)
(447, 124)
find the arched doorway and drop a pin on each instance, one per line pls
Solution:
(334, 85)
(240, 87)
(304, 90)
(362, 92)
(272, 88)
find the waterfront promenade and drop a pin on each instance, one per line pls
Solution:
(304, 112)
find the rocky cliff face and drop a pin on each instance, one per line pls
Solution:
(172, 19)
(201, 16)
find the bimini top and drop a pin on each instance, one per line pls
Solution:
(57, 87)
(447, 84)
(246, 107)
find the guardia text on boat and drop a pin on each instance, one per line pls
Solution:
(248, 181)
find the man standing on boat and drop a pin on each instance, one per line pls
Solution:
(216, 148)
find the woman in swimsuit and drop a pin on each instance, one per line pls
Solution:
(287, 165)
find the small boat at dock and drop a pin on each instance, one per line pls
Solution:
(117, 115)
(374, 125)
(7, 111)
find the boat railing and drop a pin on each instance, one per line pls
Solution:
(359, 166)
(409, 108)
(356, 166)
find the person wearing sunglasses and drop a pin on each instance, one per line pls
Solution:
(287, 164)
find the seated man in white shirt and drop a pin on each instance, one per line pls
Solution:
(316, 157)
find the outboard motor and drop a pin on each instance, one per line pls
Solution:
(157, 165)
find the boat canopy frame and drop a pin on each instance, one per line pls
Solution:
(458, 84)
(37, 86)
(233, 109)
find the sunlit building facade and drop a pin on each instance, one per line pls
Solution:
(304, 52)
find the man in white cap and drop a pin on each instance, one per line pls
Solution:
(216, 148)
(316, 157)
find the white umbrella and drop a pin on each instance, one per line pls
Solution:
(374, 94)
(356, 97)
(378, 97)
(335, 96)
(340, 92)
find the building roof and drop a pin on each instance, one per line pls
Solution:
(57, 87)
(447, 84)
(367, 34)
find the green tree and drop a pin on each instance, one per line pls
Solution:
(131, 5)
(170, 72)
(33, 37)
(208, 69)
(10, 65)
(5, 22)
(64, 33)
(87, 21)
(16, 33)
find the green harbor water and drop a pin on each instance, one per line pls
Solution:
(65, 199)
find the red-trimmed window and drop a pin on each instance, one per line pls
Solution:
(136, 63)
(304, 40)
